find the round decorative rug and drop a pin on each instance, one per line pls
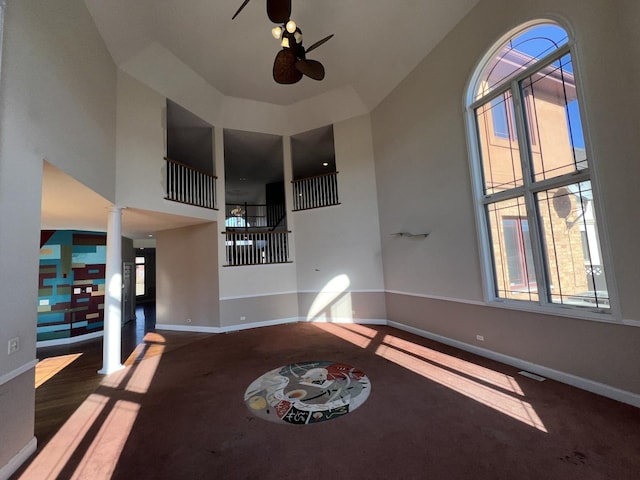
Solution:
(307, 392)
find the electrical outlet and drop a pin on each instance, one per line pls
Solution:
(14, 345)
(480, 338)
(243, 318)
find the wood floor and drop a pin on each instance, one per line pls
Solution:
(66, 375)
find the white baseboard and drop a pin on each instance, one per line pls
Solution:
(187, 328)
(268, 323)
(573, 380)
(7, 377)
(359, 321)
(21, 457)
(69, 340)
(226, 329)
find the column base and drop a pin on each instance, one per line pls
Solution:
(111, 369)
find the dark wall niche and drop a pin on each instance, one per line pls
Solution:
(251, 161)
(313, 153)
(189, 139)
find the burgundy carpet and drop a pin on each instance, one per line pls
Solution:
(433, 412)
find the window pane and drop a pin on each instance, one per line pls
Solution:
(553, 120)
(572, 247)
(140, 280)
(520, 52)
(511, 247)
(501, 167)
(503, 117)
(139, 260)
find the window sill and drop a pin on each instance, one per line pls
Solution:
(605, 316)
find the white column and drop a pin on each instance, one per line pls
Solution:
(111, 356)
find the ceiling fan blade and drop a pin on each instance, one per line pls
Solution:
(284, 67)
(279, 11)
(244, 4)
(319, 42)
(311, 68)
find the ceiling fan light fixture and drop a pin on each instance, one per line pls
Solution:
(277, 32)
(285, 42)
(291, 26)
(298, 36)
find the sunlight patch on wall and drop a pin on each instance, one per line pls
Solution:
(333, 302)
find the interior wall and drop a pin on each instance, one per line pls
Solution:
(58, 103)
(63, 79)
(141, 148)
(258, 309)
(187, 276)
(424, 186)
(338, 248)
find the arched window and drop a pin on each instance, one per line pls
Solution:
(532, 174)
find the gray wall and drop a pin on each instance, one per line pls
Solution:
(187, 291)
(424, 185)
(58, 103)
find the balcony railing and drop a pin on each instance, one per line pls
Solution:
(256, 247)
(189, 185)
(315, 192)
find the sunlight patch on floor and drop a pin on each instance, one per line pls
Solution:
(96, 433)
(361, 329)
(345, 334)
(501, 402)
(48, 368)
(497, 379)
(143, 375)
(486, 386)
(55, 455)
(101, 458)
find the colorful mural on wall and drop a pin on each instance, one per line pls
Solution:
(307, 392)
(71, 284)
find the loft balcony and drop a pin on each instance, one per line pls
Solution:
(315, 192)
(189, 185)
(256, 234)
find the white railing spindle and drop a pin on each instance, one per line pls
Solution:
(256, 248)
(186, 184)
(315, 192)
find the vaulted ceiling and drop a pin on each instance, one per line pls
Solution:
(377, 43)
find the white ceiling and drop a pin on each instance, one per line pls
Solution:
(376, 44)
(69, 205)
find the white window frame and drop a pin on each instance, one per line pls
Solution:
(471, 102)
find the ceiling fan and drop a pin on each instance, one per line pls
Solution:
(291, 62)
